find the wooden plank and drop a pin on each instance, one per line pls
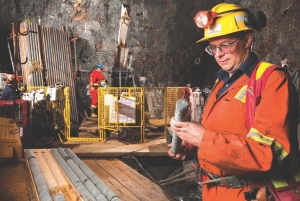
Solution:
(114, 148)
(17, 155)
(123, 179)
(9, 130)
(139, 185)
(6, 150)
(9, 137)
(150, 187)
(122, 192)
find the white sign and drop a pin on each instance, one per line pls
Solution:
(126, 108)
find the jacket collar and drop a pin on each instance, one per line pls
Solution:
(246, 68)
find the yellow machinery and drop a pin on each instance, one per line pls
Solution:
(59, 117)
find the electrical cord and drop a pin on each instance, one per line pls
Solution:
(178, 180)
(152, 179)
(178, 175)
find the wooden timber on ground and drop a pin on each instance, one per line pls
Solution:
(10, 141)
(124, 181)
(115, 147)
(89, 129)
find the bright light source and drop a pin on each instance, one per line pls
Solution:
(204, 18)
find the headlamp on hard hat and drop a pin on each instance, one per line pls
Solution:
(227, 18)
(205, 18)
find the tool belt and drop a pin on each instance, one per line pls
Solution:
(228, 181)
(255, 194)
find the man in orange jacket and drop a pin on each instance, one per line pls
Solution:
(236, 162)
(96, 80)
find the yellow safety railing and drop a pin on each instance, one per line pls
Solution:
(66, 115)
(120, 108)
(154, 106)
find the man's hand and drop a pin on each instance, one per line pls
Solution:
(189, 132)
(181, 155)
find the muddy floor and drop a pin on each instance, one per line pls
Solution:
(14, 184)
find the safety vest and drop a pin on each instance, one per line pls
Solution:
(256, 84)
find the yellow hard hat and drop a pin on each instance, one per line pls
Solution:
(228, 18)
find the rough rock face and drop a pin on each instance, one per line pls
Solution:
(161, 37)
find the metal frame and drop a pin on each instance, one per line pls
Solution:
(110, 105)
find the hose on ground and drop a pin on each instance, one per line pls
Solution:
(178, 175)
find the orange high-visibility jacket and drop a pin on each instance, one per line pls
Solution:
(229, 148)
(96, 77)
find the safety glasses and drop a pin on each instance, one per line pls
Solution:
(223, 47)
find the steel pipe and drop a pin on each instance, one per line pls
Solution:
(181, 112)
(34, 53)
(82, 190)
(41, 186)
(50, 65)
(39, 54)
(84, 179)
(62, 180)
(45, 54)
(50, 52)
(71, 84)
(52, 184)
(35, 59)
(30, 57)
(108, 193)
(59, 197)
